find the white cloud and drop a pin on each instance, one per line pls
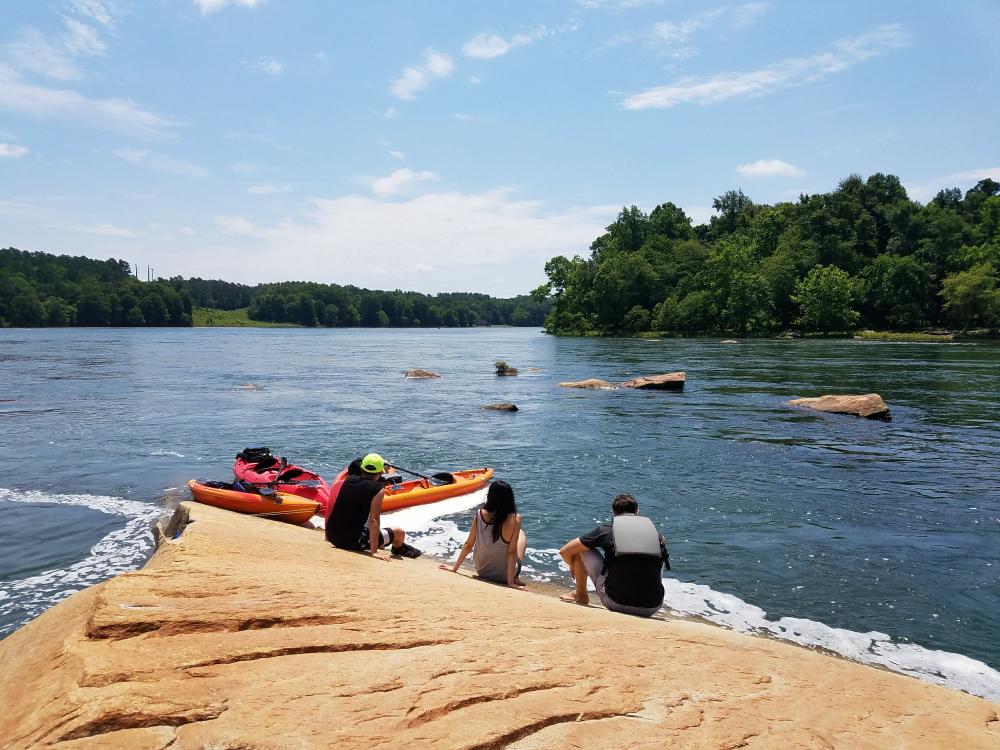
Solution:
(747, 14)
(12, 151)
(769, 168)
(401, 180)
(620, 4)
(390, 113)
(418, 77)
(699, 214)
(268, 189)
(117, 115)
(677, 32)
(81, 39)
(211, 6)
(795, 71)
(34, 52)
(160, 162)
(54, 56)
(102, 11)
(269, 66)
(187, 231)
(924, 191)
(397, 154)
(434, 242)
(486, 46)
(105, 230)
(489, 44)
(669, 34)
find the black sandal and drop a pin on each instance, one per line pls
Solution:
(406, 550)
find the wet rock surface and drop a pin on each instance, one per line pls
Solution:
(504, 406)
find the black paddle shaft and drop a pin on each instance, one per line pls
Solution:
(442, 476)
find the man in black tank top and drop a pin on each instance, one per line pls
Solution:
(354, 521)
(626, 580)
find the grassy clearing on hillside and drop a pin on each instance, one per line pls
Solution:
(211, 318)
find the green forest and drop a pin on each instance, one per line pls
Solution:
(39, 289)
(862, 256)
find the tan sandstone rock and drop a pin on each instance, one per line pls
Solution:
(592, 384)
(869, 405)
(671, 381)
(420, 374)
(248, 633)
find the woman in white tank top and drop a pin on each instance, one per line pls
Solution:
(496, 539)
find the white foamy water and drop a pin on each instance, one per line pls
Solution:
(940, 667)
(119, 551)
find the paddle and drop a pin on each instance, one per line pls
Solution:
(442, 476)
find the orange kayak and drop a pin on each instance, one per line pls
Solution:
(280, 505)
(421, 491)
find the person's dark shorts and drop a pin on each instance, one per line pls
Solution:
(364, 542)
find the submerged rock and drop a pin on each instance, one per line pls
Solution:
(593, 384)
(869, 405)
(505, 406)
(421, 374)
(671, 381)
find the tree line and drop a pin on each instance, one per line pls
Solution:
(863, 255)
(40, 289)
(312, 304)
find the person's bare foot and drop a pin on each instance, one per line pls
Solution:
(572, 598)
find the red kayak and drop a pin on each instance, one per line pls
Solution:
(259, 467)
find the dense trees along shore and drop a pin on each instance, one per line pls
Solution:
(39, 289)
(864, 255)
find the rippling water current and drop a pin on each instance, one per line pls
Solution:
(878, 541)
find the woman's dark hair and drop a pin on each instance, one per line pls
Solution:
(499, 504)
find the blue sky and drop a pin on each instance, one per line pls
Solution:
(457, 145)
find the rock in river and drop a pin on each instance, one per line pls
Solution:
(505, 406)
(593, 384)
(671, 381)
(869, 405)
(421, 374)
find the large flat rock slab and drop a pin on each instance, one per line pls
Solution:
(869, 405)
(250, 633)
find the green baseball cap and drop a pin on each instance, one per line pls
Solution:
(373, 463)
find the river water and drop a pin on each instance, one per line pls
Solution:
(880, 541)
